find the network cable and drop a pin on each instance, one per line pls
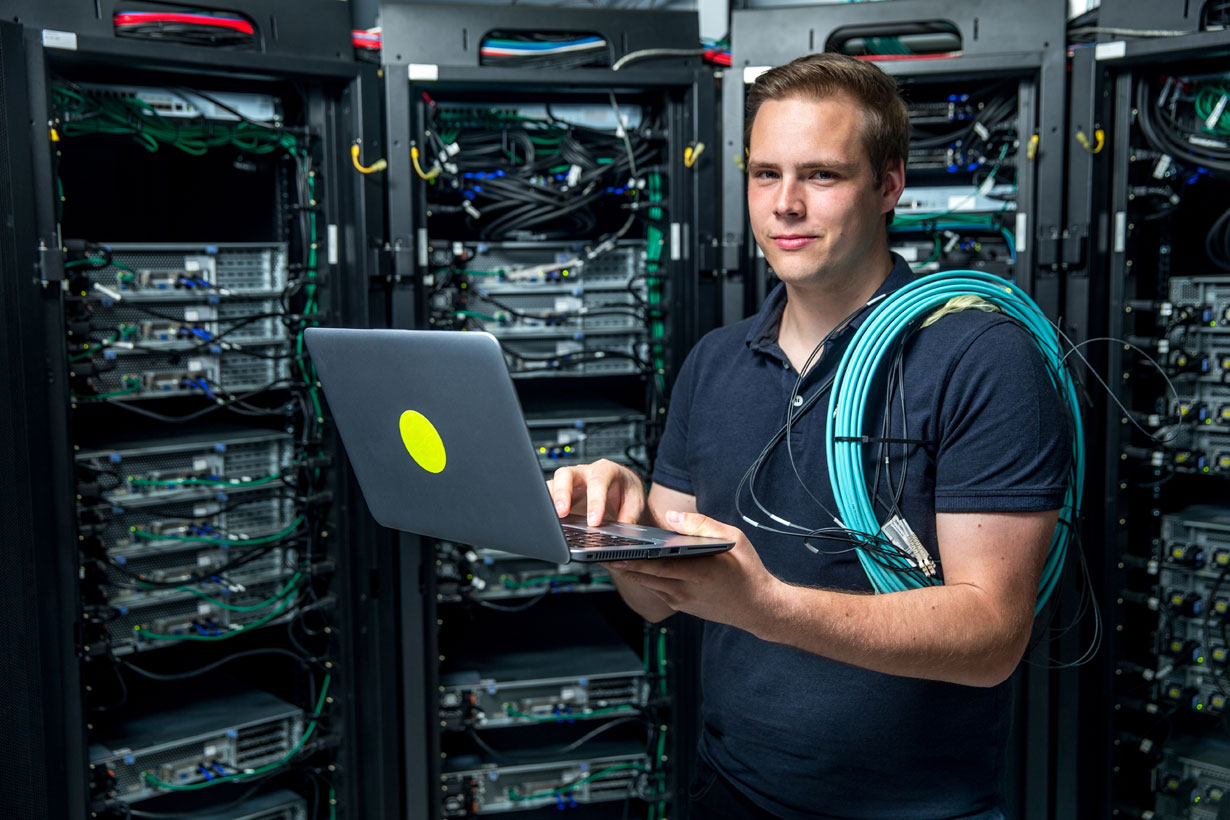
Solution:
(847, 403)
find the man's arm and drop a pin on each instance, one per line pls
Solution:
(972, 630)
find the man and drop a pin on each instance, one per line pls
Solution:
(820, 700)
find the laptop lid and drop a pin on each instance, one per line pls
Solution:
(434, 431)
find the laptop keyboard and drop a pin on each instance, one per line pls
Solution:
(585, 539)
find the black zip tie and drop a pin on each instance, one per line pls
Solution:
(870, 439)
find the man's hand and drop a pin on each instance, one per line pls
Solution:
(601, 489)
(731, 587)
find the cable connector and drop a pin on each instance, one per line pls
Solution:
(903, 538)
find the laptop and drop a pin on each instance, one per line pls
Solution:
(434, 431)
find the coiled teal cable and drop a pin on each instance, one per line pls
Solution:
(873, 340)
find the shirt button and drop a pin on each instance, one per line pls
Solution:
(786, 365)
(798, 401)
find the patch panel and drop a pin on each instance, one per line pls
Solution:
(147, 375)
(466, 573)
(1194, 779)
(115, 329)
(185, 104)
(159, 272)
(183, 563)
(472, 786)
(607, 353)
(580, 437)
(182, 615)
(149, 528)
(558, 685)
(194, 466)
(196, 741)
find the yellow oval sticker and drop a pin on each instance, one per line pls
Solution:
(422, 441)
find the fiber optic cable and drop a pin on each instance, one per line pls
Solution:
(853, 381)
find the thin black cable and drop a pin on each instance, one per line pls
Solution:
(547, 754)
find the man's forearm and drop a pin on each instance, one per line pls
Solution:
(950, 633)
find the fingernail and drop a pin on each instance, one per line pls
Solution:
(560, 506)
(674, 517)
(594, 520)
(620, 564)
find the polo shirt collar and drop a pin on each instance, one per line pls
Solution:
(762, 335)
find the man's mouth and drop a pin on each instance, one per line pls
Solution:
(791, 242)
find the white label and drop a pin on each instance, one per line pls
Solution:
(676, 241)
(907, 252)
(1022, 233)
(200, 465)
(1162, 166)
(1110, 51)
(751, 72)
(192, 315)
(200, 511)
(203, 609)
(195, 365)
(1120, 231)
(205, 560)
(567, 304)
(331, 250)
(563, 348)
(60, 39)
(211, 751)
(568, 435)
(427, 72)
(421, 233)
(192, 265)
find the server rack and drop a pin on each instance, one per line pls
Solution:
(157, 293)
(952, 61)
(595, 316)
(1157, 289)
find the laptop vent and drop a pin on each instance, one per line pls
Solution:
(623, 555)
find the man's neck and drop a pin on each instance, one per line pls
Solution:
(811, 313)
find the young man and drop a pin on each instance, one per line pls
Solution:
(820, 700)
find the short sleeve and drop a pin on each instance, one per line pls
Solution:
(671, 466)
(1003, 434)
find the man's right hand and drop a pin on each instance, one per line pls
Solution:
(603, 489)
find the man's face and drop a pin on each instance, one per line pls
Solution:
(815, 210)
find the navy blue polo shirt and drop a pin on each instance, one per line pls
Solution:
(805, 736)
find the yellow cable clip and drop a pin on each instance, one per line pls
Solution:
(691, 153)
(418, 169)
(55, 135)
(1099, 140)
(1032, 151)
(378, 165)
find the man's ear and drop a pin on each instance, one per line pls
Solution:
(892, 184)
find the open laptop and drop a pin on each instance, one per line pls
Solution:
(434, 431)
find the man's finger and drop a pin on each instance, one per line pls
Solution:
(596, 489)
(561, 490)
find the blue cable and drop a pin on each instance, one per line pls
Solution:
(847, 402)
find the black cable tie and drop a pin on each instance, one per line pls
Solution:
(870, 439)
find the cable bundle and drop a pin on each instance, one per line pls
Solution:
(879, 335)
(1193, 128)
(558, 50)
(196, 28)
(512, 176)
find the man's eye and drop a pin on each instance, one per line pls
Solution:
(822, 175)
(766, 175)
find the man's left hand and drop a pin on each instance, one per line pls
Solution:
(732, 587)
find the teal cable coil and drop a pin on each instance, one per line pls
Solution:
(873, 340)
